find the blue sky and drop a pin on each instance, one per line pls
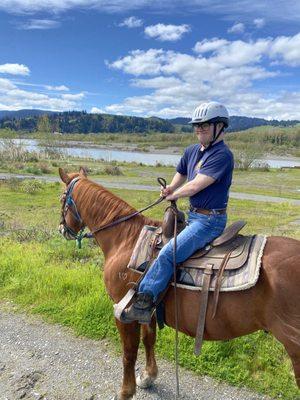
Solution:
(148, 58)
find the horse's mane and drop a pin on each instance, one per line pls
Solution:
(95, 198)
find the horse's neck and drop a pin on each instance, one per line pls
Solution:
(95, 215)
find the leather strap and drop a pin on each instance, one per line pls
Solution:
(208, 212)
(219, 282)
(203, 308)
(123, 303)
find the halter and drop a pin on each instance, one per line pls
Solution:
(69, 203)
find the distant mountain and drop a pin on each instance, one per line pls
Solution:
(238, 123)
(83, 122)
(24, 113)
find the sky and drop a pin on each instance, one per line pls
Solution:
(151, 58)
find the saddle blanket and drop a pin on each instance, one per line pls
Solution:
(192, 277)
(232, 280)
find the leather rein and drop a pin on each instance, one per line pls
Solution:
(68, 204)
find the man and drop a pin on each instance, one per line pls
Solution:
(207, 166)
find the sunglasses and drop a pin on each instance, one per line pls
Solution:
(204, 126)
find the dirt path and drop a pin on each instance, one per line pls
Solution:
(130, 186)
(43, 361)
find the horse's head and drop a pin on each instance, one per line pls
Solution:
(71, 224)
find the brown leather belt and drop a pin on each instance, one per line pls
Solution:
(208, 212)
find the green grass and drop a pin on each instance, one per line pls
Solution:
(44, 274)
(276, 182)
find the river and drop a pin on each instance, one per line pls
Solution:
(99, 153)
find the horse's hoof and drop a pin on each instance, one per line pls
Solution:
(117, 397)
(144, 381)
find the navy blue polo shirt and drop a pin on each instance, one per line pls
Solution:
(216, 162)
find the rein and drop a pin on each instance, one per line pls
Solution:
(69, 202)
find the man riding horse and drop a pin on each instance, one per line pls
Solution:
(207, 166)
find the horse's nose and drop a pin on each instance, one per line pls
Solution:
(62, 230)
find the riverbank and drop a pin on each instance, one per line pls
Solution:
(6, 177)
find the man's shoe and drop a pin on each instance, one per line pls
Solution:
(141, 310)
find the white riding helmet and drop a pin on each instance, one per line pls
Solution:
(210, 112)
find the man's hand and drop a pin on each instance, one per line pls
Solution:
(166, 191)
(171, 197)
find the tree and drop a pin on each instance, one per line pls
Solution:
(43, 124)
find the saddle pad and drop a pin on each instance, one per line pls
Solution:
(236, 279)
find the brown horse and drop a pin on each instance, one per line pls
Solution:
(272, 304)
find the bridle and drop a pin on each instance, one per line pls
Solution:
(68, 204)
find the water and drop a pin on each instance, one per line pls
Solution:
(145, 158)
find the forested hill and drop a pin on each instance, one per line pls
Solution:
(82, 122)
(238, 123)
(23, 113)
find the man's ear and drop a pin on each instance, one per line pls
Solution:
(64, 176)
(83, 172)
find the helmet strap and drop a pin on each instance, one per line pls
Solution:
(215, 135)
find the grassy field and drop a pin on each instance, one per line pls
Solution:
(273, 182)
(44, 274)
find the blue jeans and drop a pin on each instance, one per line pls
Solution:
(201, 230)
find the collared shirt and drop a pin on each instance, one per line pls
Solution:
(216, 162)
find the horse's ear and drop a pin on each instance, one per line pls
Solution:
(64, 176)
(83, 171)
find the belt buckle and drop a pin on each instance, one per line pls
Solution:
(215, 212)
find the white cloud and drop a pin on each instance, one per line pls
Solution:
(96, 110)
(237, 28)
(164, 32)
(157, 83)
(259, 22)
(5, 85)
(224, 70)
(139, 62)
(59, 88)
(207, 45)
(77, 96)
(287, 49)
(132, 22)
(14, 69)
(14, 98)
(288, 10)
(39, 24)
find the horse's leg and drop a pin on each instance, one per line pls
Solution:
(130, 337)
(148, 376)
(284, 317)
(289, 336)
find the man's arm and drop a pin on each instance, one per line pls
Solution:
(200, 182)
(178, 180)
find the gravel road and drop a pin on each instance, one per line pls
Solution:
(43, 361)
(130, 186)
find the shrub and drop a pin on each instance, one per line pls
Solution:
(33, 170)
(31, 186)
(112, 170)
(31, 235)
(45, 169)
(13, 184)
